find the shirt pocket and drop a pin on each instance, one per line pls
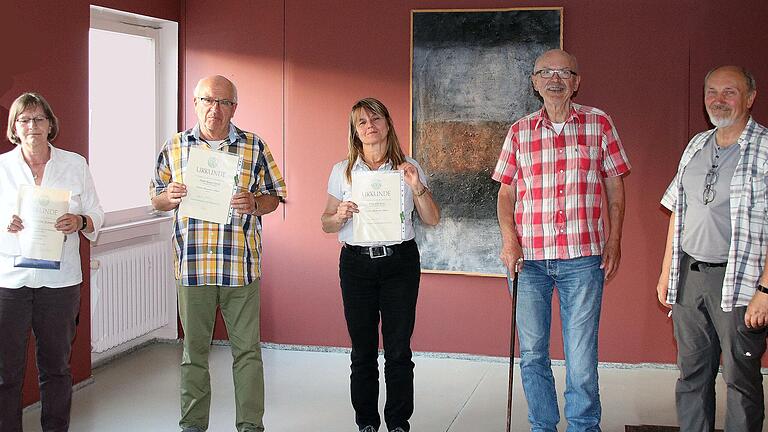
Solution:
(748, 343)
(587, 160)
(757, 209)
(756, 195)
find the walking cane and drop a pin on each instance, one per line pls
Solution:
(512, 332)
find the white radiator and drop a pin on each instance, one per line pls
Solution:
(129, 293)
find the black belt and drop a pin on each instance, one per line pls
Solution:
(698, 265)
(378, 251)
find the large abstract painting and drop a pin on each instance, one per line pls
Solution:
(470, 80)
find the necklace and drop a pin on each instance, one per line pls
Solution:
(37, 172)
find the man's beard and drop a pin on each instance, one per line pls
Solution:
(720, 120)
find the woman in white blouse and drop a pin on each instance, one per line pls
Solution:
(378, 279)
(43, 299)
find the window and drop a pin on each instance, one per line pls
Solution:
(133, 81)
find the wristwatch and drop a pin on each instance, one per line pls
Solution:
(762, 289)
(85, 222)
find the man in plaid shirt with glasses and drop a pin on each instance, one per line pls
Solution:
(219, 265)
(713, 275)
(553, 167)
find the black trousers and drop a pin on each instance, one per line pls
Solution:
(383, 288)
(52, 315)
(706, 335)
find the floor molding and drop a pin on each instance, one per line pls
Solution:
(84, 383)
(457, 356)
(426, 354)
(655, 428)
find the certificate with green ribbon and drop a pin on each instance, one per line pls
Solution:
(211, 180)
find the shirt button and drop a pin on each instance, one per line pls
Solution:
(561, 191)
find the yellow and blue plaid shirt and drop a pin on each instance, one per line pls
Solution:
(219, 254)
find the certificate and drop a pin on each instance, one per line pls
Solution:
(379, 197)
(38, 208)
(211, 180)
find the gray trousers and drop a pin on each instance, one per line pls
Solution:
(705, 335)
(51, 313)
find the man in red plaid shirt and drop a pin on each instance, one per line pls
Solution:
(553, 167)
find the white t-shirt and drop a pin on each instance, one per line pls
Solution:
(65, 170)
(341, 189)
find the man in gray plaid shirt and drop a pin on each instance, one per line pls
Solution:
(714, 271)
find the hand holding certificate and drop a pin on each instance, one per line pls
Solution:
(211, 179)
(379, 198)
(39, 208)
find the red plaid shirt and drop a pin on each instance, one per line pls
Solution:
(559, 181)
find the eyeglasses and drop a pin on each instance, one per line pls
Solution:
(709, 186)
(26, 121)
(208, 102)
(549, 73)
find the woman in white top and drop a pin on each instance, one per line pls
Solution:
(45, 300)
(378, 278)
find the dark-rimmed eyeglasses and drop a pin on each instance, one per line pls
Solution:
(709, 186)
(209, 102)
(34, 120)
(549, 73)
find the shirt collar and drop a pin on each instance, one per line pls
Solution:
(542, 118)
(745, 134)
(232, 137)
(54, 152)
(743, 139)
(359, 164)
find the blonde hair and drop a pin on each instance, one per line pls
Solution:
(394, 153)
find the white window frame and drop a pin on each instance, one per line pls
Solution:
(165, 35)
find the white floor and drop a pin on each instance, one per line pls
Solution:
(308, 391)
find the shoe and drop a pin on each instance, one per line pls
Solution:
(369, 429)
(192, 429)
(397, 429)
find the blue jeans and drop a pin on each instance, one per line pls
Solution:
(579, 284)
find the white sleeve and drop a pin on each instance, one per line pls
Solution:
(90, 203)
(335, 181)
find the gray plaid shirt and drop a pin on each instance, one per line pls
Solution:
(749, 216)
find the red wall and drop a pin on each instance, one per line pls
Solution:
(46, 50)
(300, 66)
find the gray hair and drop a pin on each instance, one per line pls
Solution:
(748, 77)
